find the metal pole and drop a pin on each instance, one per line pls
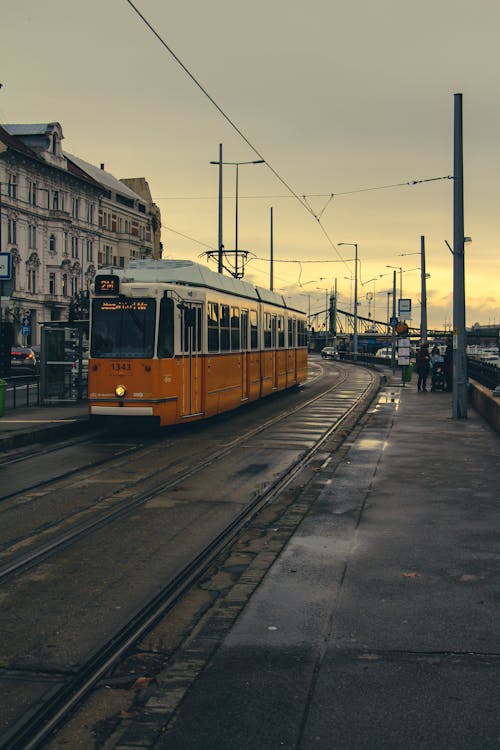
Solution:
(459, 398)
(355, 301)
(423, 293)
(236, 228)
(221, 246)
(271, 257)
(393, 350)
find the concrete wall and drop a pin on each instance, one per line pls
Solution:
(486, 404)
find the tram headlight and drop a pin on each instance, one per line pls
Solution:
(120, 391)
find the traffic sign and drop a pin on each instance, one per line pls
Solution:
(5, 266)
(404, 307)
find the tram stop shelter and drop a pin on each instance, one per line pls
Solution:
(64, 361)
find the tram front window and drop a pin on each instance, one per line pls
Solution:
(123, 327)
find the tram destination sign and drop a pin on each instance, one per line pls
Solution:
(107, 284)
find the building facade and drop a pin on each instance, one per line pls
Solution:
(49, 225)
(60, 219)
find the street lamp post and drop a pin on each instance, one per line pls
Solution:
(355, 336)
(236, 164)
(399, 268)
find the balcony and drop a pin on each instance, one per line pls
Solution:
(58, 215)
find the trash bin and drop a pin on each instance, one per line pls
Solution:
(3, 389)
(407, 372)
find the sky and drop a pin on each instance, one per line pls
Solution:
(353, 99)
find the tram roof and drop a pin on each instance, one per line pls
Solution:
(189, 273)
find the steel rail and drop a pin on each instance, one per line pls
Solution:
(35, 729)
(29, 559)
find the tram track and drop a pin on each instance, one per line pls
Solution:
(34, 727)
(79, 529)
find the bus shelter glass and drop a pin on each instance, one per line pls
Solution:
(123, 327)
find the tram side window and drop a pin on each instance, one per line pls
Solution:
(267, 331)
(290, 333)
(166, 328)
(224, 328)
(254, 330)
(213, 326)
(281, 331)
(301, 330)
(235, 329)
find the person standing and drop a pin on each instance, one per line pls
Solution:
(422, 366)
(448, 366)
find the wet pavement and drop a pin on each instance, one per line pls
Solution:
(377, 627)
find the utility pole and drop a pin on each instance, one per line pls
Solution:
(423, 293)
(459, 397)
(271, 254)
(221, 246)
(393, 349)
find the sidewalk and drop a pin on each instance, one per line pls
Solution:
(377, 626)
(35, 424)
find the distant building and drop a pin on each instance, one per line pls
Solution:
(60, 219)
(140, 186)
(49, 225)
(125, 218)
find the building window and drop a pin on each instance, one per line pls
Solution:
(12, 232)
(64, 284)
(52, 243)
(31, 280)
(12, 186)
(32, 186)
(74, 247)
(74, 286)
(32, 236)
(108, 255)
(90, 213)
(55, 200)
(52, 283)
(90, 250)
(75, 208)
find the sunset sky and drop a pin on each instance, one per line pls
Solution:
(351, 99)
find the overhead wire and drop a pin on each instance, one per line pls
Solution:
(302, 200)
(212, 100)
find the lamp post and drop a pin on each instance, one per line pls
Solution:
(355, 336)
(399, 268)
(369, 296)
(236, 164)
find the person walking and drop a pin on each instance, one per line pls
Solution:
(422, 366)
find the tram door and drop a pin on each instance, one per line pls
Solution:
(274, 344)
(244, 355)
(192, 385)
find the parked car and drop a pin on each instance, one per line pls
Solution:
(329, 352)
(385, 352)
(23, 361)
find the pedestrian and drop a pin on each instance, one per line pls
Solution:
(448, 366)
(422, 366)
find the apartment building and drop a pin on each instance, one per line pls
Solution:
(60, 219)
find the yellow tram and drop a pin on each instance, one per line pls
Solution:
(176, 341)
